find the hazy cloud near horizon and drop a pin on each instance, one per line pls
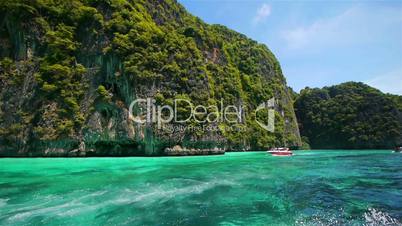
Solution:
(354, 26)
(390, 82)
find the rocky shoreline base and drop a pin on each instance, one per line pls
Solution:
(82, 151)
(179, 151)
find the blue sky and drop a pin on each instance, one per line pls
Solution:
(320, 43)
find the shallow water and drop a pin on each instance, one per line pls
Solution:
(310, 188)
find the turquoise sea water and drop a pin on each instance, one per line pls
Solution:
(310, 188)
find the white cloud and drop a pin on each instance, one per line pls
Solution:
(357, 25)
(390, 82)
(262, 13)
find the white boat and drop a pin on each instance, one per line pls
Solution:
(280, 152)
(397, 150)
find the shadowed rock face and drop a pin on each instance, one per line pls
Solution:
(69, 71)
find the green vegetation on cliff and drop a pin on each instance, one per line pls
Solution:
(349, 115)
(70, 69)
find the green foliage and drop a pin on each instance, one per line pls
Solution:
(102, 91)
(49, 88)
(350, 115)
(134, 49)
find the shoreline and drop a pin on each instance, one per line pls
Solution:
(186, 153)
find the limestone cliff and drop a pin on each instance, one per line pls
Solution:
(69, 71)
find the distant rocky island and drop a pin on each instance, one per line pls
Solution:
(351, 115)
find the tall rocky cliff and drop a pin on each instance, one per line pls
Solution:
(69, 71)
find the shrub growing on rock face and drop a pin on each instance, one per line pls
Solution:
(103, 92)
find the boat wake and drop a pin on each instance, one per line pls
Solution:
(372, 217)
(57, 206)
(375, 217)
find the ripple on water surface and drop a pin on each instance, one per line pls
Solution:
(310, 188)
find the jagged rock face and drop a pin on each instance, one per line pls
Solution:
(70, 70)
